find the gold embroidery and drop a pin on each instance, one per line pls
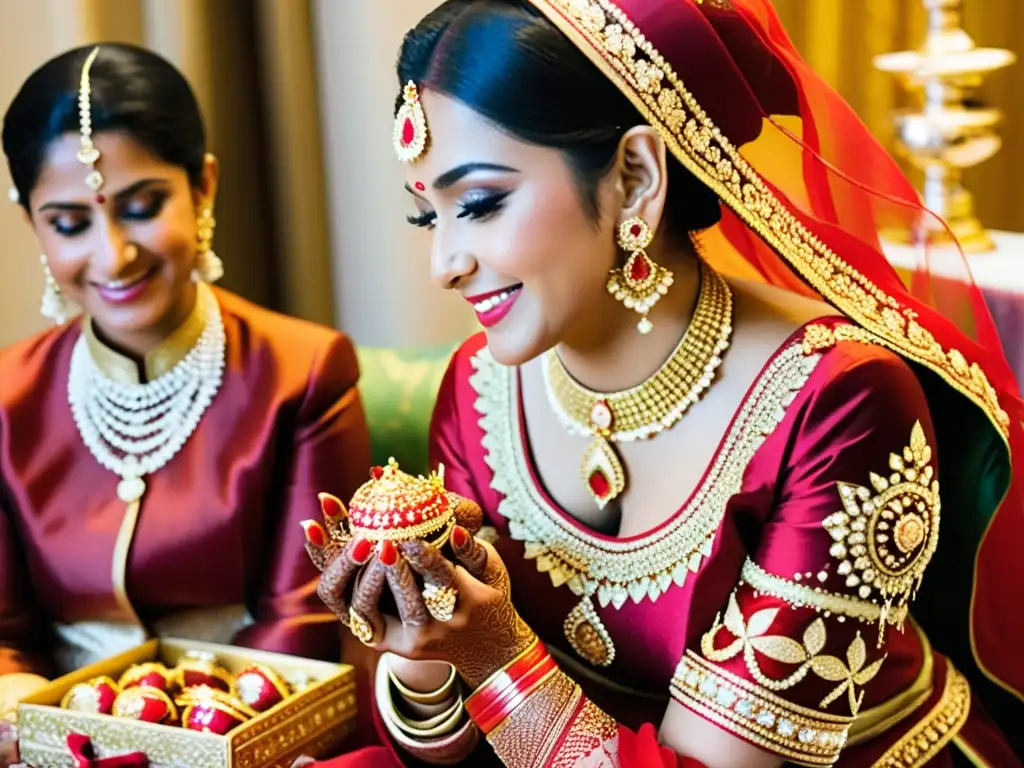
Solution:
(587, 635)
(936, 729)
(592, 740)
(616, 571)
(885, 540)
(751, 636)
(529, 734)
(605, 34)
(794, 732)
(821, 600)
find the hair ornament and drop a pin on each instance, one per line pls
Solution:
(88, 154)
(410, 132)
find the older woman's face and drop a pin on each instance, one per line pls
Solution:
(510, 232)
(125, 258)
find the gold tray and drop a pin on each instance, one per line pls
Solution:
(313, 722)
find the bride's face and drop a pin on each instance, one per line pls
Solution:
(510, 232)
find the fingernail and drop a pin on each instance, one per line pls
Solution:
(361, 550)
(315, 533)
(331, 506)
(460, 537)
(388, 553)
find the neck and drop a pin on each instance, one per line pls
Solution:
(609, 354)
(138, 345)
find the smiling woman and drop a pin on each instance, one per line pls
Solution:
(157, 453)
(713, 499)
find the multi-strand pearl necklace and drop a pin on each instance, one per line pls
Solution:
(135, 429)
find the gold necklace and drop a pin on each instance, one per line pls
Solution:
(650, 407)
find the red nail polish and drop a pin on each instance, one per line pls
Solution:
(361, 550)
(315, 534)
(388, 553)
(459, 537)
(331, 506)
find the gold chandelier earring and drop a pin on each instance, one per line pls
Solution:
(53, 305)
(639, 283)
(209, 267)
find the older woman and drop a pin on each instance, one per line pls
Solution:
(157, 453)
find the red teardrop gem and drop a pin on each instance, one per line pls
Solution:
(377, 473)
(635, 230)
(639, 270)
(408, 131)
(599, 484)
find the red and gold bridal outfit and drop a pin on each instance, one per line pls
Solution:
(216, 552)
(774, 603)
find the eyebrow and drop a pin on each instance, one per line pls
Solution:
(126, 192)
(455, 175)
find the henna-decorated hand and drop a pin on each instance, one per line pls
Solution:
(485, 631)
(8, 744)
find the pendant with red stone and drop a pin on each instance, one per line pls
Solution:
(602, 472)
(410, 129)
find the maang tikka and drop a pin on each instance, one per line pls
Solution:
(410, 130)
(88, 154)
(639, 283)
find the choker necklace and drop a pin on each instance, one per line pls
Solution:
(652, 406)
(135, 429)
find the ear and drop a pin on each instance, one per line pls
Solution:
(643, 175)
(206, 193)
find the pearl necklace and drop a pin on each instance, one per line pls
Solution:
(135, 429)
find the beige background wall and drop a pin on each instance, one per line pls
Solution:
(298, 97)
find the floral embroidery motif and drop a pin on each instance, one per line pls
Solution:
(885, 538)
(752, 636)
(644, 75)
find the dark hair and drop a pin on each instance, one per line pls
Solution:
(509, 64)
(134, 91)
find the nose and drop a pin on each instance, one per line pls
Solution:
(113, 252)
(449, 264)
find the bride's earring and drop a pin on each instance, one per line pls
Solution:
(53, 305)
(640, 282)
(209, 268)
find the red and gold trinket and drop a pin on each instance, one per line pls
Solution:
(96, 696)
(260, 688)
(145, 703)
(211, 710)
(197, 668)
(152, 674)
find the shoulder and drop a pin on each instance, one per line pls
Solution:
(857, 370)
(25, 361)
(301, 339)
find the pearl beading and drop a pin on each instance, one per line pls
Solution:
(135, 429)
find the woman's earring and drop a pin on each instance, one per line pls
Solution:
(640, 283)
(53, 305)
(209, 268)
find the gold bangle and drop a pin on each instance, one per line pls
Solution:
(431, 697)
(446, 723)
(439, 725)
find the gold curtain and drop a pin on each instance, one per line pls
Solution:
(840, 38)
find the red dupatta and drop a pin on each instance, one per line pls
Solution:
(806, 189)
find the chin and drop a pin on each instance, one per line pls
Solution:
(510, 349)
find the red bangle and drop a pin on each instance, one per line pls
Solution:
(507, 689)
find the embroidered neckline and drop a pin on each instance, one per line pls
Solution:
(614, 571)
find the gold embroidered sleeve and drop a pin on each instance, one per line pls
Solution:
(813, 635)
